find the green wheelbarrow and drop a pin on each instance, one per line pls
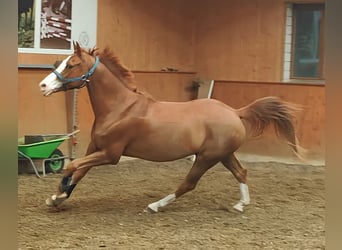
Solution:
(43, 148)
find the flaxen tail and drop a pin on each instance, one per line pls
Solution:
(272, 111)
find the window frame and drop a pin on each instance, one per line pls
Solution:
(315, 7)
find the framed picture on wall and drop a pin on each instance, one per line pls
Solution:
(50, 26)
(55, 24)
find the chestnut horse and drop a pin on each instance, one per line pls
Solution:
(132, 123)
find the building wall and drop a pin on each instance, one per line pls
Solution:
(150, 34)
(309, 122)
(240, 40)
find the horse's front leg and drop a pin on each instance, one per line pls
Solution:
(74, 172)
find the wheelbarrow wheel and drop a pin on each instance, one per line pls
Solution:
(55, 166)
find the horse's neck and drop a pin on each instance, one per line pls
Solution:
(107, 94)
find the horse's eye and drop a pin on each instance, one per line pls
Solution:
(56, 64)
(68, 66)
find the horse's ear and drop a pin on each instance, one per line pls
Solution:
(77, 48)
(94, 51)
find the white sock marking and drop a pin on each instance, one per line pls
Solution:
(244, 194)
(162, 203)
(245, 199)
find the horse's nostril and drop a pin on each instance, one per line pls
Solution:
(43, 85)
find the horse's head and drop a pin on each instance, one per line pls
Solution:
(73, 72)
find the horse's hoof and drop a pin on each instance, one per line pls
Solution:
(152, 208)
(55, 200)
(49, 202)
(239, 207)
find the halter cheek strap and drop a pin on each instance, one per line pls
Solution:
(84, 78)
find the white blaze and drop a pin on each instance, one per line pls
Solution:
(50, 83)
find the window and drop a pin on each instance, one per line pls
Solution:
(304, 42)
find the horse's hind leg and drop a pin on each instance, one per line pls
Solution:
(240, 173)
(199, 167)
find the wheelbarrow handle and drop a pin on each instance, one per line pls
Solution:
(73, 133)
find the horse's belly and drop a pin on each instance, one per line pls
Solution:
(164, 145)
(154, 152)
(157, 155)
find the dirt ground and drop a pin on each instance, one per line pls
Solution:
(105, 210)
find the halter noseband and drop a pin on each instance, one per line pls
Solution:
(83, 78)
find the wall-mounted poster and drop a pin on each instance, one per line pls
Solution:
(50, 26)
(55, 24)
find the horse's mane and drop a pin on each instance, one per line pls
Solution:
(114, 64)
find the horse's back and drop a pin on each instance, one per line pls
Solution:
(195, 111)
